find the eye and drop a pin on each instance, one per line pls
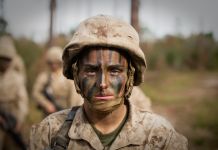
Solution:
(115, 72)
(90, 72)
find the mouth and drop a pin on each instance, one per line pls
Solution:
(104, 97)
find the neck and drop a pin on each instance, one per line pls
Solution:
(106, 122)
(58, 71)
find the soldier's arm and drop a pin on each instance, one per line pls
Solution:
(40, 136)
(22, 102)
(176, 141)
(42, 133)
(162, 135)
(37, 91)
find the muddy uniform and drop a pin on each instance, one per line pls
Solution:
(13, 97)
(63, 90)
(143, 131)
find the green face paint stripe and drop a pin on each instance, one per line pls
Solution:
(119, 85)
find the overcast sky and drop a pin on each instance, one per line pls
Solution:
(31, 17)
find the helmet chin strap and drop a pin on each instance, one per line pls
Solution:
(130, 81)
(76, 79)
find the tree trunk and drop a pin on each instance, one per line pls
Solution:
(51, 27)
(134, 15)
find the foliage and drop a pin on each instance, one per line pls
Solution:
(30, 52)
(195, 52)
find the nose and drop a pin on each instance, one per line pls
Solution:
(103, 81)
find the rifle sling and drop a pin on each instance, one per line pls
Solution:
(61, 140)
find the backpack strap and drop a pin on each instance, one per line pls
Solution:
(61, 140)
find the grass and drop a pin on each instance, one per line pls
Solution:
(185, 99)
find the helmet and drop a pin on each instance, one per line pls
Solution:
(7, 48)
(54, 54)
(105, 31)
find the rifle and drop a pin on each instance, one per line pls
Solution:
(8, 125)
(47, 92)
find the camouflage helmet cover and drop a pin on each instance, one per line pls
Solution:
(54, 54)
(105, 31)
(7, 48)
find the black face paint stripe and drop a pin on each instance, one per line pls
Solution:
(120, 58)
(119, 85)
(91, 91)
(84, 84)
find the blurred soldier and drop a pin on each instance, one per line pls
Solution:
(18, 65)
(13, 99)
(52, 90)
(17, 62)
(105, 61)
(140, 100)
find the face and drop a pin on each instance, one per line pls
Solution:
(102, 78)
(54, 65)
(4, 64)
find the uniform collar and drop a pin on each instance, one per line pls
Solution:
(81, 129)
(131, 133)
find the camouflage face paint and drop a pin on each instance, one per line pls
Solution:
(102, 78)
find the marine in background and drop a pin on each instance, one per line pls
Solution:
(52, 91)
(17, 63)
(140, 99)
(13, 99)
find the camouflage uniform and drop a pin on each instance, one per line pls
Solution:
(13, 94)
(63, 90)
(142, 129)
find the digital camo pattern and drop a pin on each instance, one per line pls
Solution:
(63, 90)
(142, 131)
